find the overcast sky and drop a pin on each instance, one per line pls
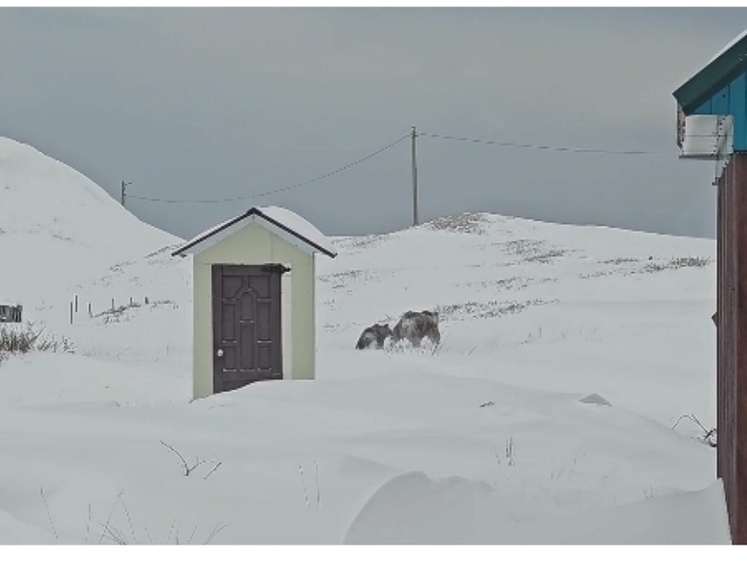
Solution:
(221, 103)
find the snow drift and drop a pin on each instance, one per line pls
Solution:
(547, 414)
(414, 509)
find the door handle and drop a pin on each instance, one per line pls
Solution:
(220, 353)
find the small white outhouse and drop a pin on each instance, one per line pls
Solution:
(254, 299)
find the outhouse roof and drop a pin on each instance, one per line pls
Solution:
(720, 70)
(282, 222)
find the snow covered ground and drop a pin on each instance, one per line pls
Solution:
(568, 354)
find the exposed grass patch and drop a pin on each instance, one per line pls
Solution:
(25, 338)
(508, 283)
(465, 223)
(618, 261)
(366, 241)
(546, 257)
(489, 309)
(340, 279)
(677, 263)
(529, 250)
(116, 314)
(650, 266)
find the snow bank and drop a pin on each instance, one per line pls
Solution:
(15, 531)
(62, 379)
(413, 509)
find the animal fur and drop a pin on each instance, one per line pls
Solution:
(414, 326)
(374, 335)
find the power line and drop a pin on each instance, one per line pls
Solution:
(400, 139)
(294, 186)
(539, 146)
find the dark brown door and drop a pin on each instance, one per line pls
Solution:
(246, 325)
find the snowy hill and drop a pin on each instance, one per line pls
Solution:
(597, 306)
(546, 414)
(57, 227)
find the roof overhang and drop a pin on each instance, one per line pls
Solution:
(721, 70)
(214, 235)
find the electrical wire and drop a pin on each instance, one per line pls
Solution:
(540, 147)
(400, 139)
(287, 188)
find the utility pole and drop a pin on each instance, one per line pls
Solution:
(414, 181)
(123, 194)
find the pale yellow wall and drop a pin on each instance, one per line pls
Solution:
(255, 245)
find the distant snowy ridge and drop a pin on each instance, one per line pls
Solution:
(58, 227)
(40, 195)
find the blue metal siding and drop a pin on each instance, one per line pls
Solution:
(732, 100)
(738, 103)
(720, 102)
(704, 109)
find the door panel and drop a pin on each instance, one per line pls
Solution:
(246, 324)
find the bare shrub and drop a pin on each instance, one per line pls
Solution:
(198, 462)
(120, 537)
(27, 338)
(708, 436)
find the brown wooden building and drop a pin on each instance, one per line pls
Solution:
(10, 313)
(712, 125)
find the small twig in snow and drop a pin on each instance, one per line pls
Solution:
(88, 524)
(181, 458)
(187, 468)
(303, 481)
(129, 519)
(214, 469)
(199, 462)
(114, 534)
(215, 532)
(171, 530)
(147, 533)
(691, 417)
(48, 513)
(510, 451)
(108, 519)
(193, 534)
(709, 435)
(497, 456)
(318, 489)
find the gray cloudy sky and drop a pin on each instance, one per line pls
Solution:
(220, 103)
